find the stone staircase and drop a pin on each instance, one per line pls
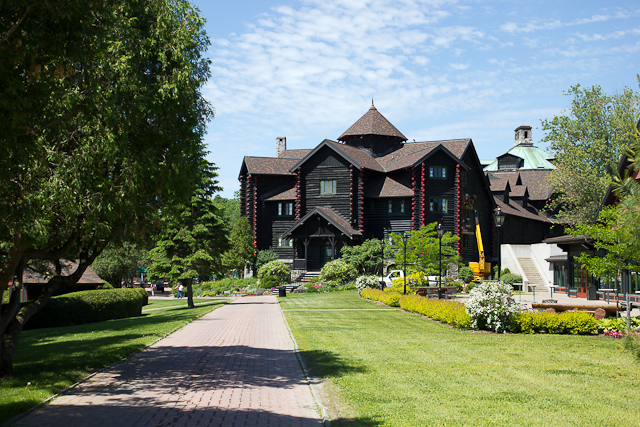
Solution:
(310, 276)
(289, 287)
(307, 277)
(533, 275)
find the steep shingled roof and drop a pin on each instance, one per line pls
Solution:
(269, 165)
(332, 217)
(372, 123)
(515, 209)
(386, 186)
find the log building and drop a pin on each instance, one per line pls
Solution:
(308, 204)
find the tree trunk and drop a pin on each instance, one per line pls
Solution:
(189, 282)
(16, 323)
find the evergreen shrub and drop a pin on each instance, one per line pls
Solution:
(510, 278)
(569, 322)
(77, 308)
(269, 282)
(465, 274)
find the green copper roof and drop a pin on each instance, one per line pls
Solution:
(534, 158)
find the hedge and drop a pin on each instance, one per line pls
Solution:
(77, 308)
(454, 313)
(389, 298)
(446, 311)
(569, 322)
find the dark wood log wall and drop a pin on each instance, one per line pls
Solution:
(438, 188)
(379, 223)
(475, 186)
(326, 165)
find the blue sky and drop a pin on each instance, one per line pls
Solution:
(437, 69)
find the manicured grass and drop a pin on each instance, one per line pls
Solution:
(54, 358)
(391, 368)
(333, 300)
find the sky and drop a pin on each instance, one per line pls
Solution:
(436, 69)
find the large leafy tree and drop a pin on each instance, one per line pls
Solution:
(423, 250)
(242, 251)
(192, 241)
(230, 209)
(366, 257)
(119, 262)
(101, 125)
(587, 142)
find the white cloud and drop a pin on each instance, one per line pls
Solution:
(308, 71)
(458, 66)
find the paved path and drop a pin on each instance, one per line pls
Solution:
(236, 366)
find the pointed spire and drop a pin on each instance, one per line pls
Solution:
(372, 123)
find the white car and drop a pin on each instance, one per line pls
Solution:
(398, 274)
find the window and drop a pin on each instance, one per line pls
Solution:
(285, 208)
(328, 186)
(396, 206)
(438, 172)
(438, 205)
(284, 243)
(505, 166)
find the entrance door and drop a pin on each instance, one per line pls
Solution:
(325, 255)
(581, 280)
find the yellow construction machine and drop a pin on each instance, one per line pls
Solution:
(480, 269)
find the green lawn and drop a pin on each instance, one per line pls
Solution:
(391, 368)
(54, 358)
(329, 300)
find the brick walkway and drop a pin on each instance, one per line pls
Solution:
(236, 366)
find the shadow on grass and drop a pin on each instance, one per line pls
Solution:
(355, 422)
(323, 364)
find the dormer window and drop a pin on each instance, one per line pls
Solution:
(285, 208)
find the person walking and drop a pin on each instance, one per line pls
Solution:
(180, 288)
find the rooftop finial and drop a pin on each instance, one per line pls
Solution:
(373, 107)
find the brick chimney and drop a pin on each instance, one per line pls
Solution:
(281, 145)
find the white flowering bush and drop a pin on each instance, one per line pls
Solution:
(274, 268)
(368, 281)
(337, 270)
(491, 306)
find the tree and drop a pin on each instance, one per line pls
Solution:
(118, 263)
(617, 229)
(365, 257)
(230, 208)
(192, 240)
(587, 143)
(101, 127)
(241, 252)
(264, 256)
(423, 250)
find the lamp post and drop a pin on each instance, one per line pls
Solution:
(440, 231)
(405, 239)
(498, 219)
(382, 265)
